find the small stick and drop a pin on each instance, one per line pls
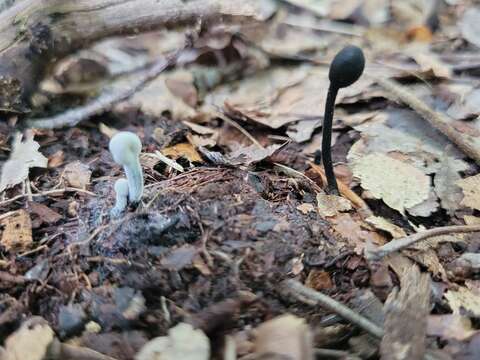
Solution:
(48, 192)
(439, 121)
(335, 306)
(342, 310)
(400, 244)
(106, 100)
(239, 128)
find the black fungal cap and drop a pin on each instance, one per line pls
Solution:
(347, 66)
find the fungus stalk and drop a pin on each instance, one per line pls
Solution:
(121, 199)
(346, 67)
(125, 148)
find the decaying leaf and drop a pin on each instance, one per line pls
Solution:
(331, 205)
(24, 156)
(77, 175)
(381, 223)
(429, 259)
(467, 105)
(471, 191)
(305, 208)
(183, 342)
(354, 232)
(426, 207)
(406, 313)
(285, 336)
(319, 280)
(320, 8)
(469, 262)
(445, 182)
(450, 326)
(470, 25)
(44, 212)
(400, 185)
(17, 231)
(463, 301)
(30, 342)
(157, 98)
(252, 154)
(185, 150)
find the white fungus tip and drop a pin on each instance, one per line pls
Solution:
(125, 146)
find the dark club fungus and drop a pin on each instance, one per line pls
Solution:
(345, 69)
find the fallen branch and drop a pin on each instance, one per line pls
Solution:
(465, 142)
(45, 193)
(34, 33)
(308, 295)
(406, 313)
(106, 100)
(400, 244)
(335, 306)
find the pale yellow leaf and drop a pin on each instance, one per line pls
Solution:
(381, 223)
(400, 185)
(463, 299)
(183, 342)
(24, 156)
(331, 205)
(471, 191)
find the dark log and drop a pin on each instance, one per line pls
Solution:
(36, 32)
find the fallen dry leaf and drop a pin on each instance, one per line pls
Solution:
(285, 336)
(320, 8)
(56, 159)
(463, 300)
(30, 342)
(470, 25)
(185, 150)
(331, 205)
(17, 231)
(24, 156)
(319, 280)
(354, 232)
(157, 98)
(450, 326)
(251, 154)
(471, 191)
(381, 223)
(467, 103)
(429, 259)
(180, 258)
(44, 212)
(468, 262)
(445, 182)
(77, 175)
(183, 342)
(400, 185)
(107, 130)
(305, 208)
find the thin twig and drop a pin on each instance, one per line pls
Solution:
(465, 142)
(336, 354)
(92, 236)
(107, 99)
(239, 128)
(336, 27)
(335, 306)
(400, 244)
(46, 193)
(327, 302)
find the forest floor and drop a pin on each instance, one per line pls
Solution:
(235, 218)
